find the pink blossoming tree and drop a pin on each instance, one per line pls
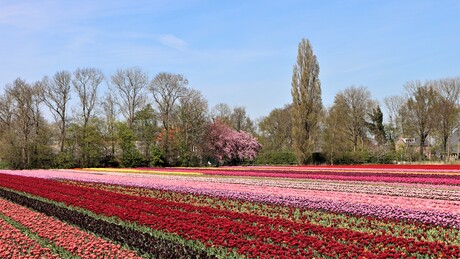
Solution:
(226, 144)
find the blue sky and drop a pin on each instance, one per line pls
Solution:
(236, 52)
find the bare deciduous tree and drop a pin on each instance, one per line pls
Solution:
(6, 113)
(146, 128)
(335, 139)
(276, 130)
(22, 141)
(56, 95)
(222, 112)
(130, 87)
(447, 109)
(109, 110)
(396, 109)
(86, 82)
(421, 107)
(240, 121)
(192, 119)
(167, 88)
(354, 104)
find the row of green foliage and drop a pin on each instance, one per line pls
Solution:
(359, 157)
(276, 158)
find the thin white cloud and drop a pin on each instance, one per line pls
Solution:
(173, 42)
(24, 15)
(235, 56)
(41, 15)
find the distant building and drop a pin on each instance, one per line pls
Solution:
(410, 146)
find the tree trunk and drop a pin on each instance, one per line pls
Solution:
(422, 144)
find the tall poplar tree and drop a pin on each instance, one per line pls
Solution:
(306, 103)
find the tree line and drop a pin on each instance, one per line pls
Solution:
(162, 121)
(422, 123)
(136, 122)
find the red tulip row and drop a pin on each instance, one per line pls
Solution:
(76, 241)
(362, 224)
(146, 243)
(250, 234)
(191, 225)
(270, 225)
(14, 244)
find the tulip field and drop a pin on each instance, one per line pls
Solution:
(369, 211)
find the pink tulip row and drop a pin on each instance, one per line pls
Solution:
(364, 202)
(74, 240)
(284, 189)
(351, 197)
(351, 177)
(451, 193)
(425, 190)
(405, 190)
(14, 244)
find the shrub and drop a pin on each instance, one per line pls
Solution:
(277, 158)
